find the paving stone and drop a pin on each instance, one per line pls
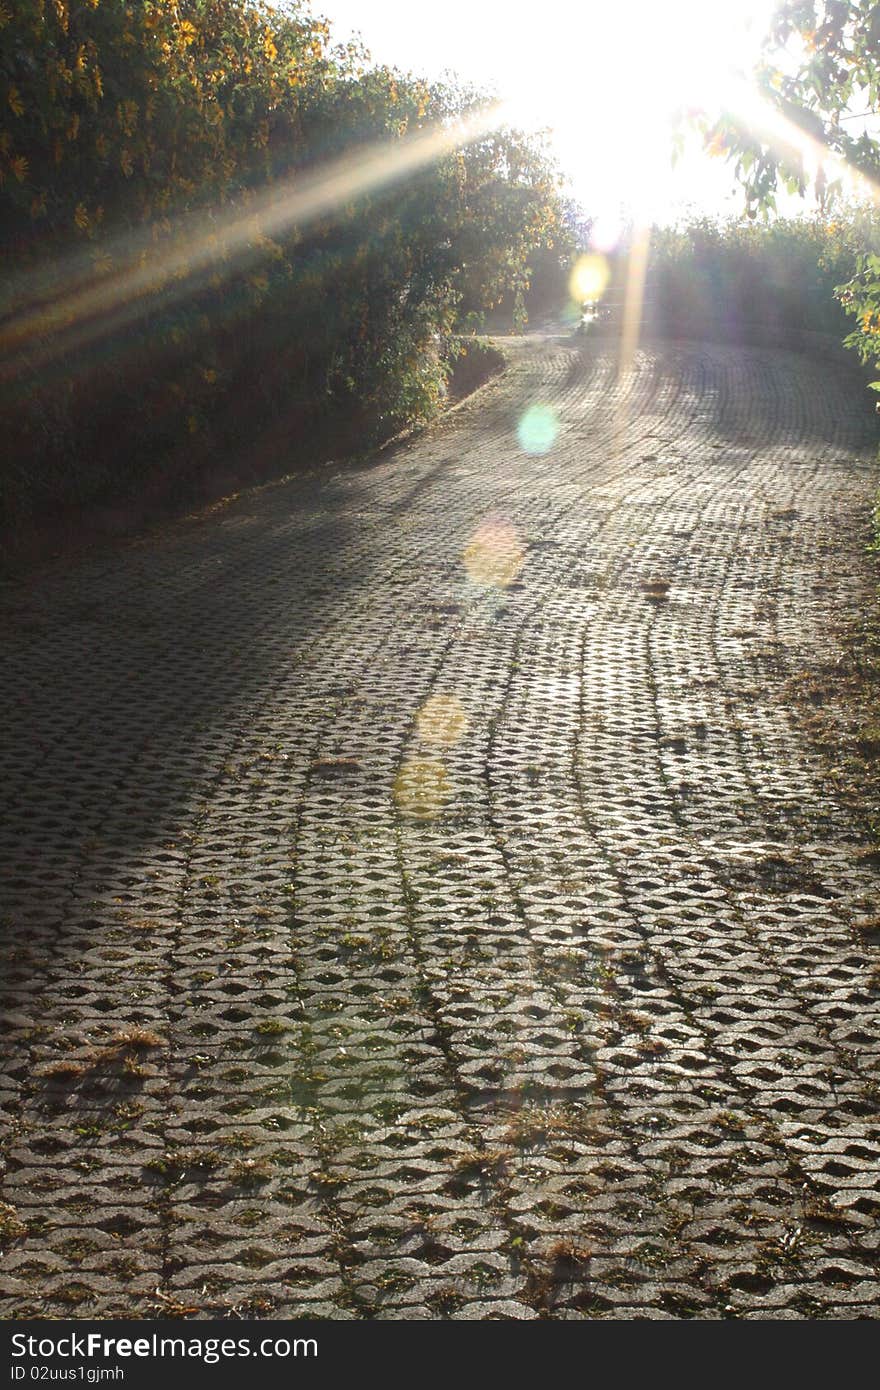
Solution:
(421, 897)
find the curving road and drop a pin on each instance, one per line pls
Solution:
(422, 898)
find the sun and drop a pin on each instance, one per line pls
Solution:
(616, 83)
(604, 80)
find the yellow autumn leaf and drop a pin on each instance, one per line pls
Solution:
(13, 96)
(81, 217)
(187, 32)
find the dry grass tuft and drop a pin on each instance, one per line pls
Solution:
(142, 1039)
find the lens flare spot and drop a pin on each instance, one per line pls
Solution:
(421, 788)
(605, 233)
(589, 279)
(494, 555)
(537, 430)
(442, 721)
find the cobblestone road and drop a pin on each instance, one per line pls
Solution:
(421, 898)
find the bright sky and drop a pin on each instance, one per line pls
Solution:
(605, 77)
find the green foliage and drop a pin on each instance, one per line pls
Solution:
(165, 299)
(821, 73)
(702, 278)
(860, 297)
(541, 285)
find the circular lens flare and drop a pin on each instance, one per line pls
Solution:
(589, 278)
(537, 430)
(421, 788)
(605, 233)
(494, 555)
(441, 720)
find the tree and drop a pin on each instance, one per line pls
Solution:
(167, 297)
(820, 72)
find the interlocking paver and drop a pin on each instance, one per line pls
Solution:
(421, 896)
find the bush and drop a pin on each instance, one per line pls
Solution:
(165, 304)
(743, 281)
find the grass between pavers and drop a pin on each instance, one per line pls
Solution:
(839, 708)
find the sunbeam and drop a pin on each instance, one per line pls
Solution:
(747, 104)
(80, 306)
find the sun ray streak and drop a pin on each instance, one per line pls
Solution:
(631, 322)
(783, 136)
(69, 316)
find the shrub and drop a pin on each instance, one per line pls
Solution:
(749, 282)
(170, 298)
